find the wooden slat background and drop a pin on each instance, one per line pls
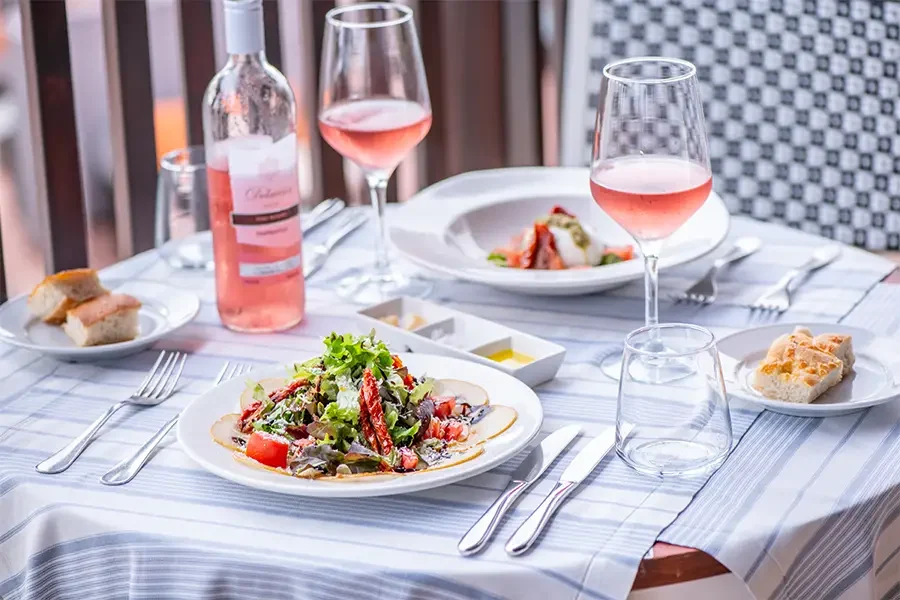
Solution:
(484, 60)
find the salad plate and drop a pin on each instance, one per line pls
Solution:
(461, 226)
(164, 309)
(358, 421)
(874, 379)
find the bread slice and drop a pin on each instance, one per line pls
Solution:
(61, 292)
(106, 319)
(841, 346)
(796, 371)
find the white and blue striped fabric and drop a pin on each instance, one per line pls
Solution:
(807, 508)
(179, 532)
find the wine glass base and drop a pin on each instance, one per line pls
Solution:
(664, 370)
(371, 289)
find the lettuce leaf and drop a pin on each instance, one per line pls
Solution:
(498, 259)
(350, 355)
(420, 391)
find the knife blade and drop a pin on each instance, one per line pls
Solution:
(580, 467)
(323, 211)
(531, 469)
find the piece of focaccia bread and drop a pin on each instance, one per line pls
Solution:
(104, 320)
(795, 370)
(61, 292)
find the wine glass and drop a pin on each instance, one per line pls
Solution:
(374, 108)
(650, 164)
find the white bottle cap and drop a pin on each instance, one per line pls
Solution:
(244, 27)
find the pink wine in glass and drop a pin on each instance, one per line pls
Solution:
(650, 196)
(374, 133)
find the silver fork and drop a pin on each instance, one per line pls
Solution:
(705, 290)
(156, 387)
(778, 298)
(128, 468)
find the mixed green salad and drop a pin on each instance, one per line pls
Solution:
(356, 409)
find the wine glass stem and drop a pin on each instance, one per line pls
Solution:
(651, 289)
(378, 194)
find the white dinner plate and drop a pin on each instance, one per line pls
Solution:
(452, 226)
(196, 420)
(875, 378)
(164, 310)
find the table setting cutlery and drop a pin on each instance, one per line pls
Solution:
(705, 290)
(157, 386)
(778, 298)
(126, 470)
(581, 466)
(322, 212)
(526, 474)
(316, 256)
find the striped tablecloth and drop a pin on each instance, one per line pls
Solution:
(179, 532)
(807, 508)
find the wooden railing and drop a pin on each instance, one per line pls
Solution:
(486, 65)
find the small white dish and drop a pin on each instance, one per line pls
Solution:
(454, 333)
(875, 378)
(165, 309)
(197, 418)
(452, 226)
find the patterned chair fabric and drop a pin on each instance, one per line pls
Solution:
(800, 96)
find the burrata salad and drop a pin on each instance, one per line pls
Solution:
(558, 241)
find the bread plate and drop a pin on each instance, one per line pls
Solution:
(875, 378)
(165, 309)
(452, 226)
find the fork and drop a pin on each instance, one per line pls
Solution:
(126, 470)
(778, 297)
(158, 385)
(705, 290)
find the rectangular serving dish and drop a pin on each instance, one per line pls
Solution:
(454, 333)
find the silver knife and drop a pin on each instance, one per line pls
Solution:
(317, 255)
(323, 211)
(525, 474)
(580, 467)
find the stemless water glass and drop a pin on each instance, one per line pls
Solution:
(650, 166)
(374, 108)
(672, 428)
(182, 210)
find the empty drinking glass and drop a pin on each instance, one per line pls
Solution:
(182, 210)
(678, 427)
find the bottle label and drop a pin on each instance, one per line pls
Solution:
(266, 205)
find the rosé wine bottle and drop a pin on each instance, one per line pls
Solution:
(249, 126)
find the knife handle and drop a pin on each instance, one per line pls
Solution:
(480, 533)
(529, 531)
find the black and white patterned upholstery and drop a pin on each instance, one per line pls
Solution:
(801, 97)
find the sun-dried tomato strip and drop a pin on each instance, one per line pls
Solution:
(369, 394)
(287, 391)
(559, 210)
(366, 426)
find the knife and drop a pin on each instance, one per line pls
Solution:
(317, 255)
(323, 211)
(525, 474)
(580, 467)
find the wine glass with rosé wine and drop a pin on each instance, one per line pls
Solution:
(374, 108)
(649, 168)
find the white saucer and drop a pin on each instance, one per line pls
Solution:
(164, 310)
(875, 378)
(452, 226)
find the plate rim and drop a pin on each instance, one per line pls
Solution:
(797, 409)
(594, 281)
(106, 349)
(342, 490)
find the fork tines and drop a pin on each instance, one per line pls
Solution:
(161, 381)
